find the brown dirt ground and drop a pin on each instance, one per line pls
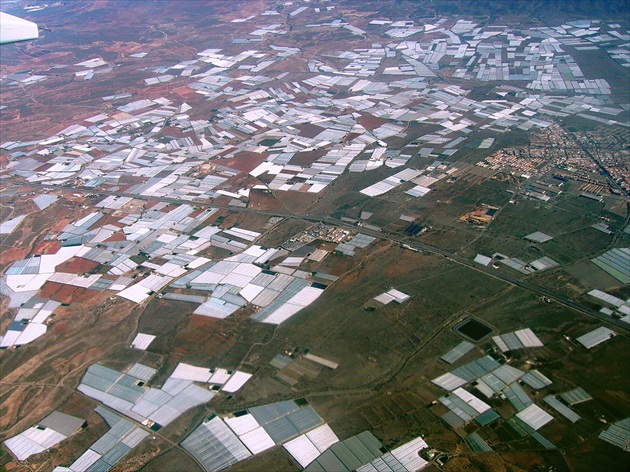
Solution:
(47, 247)
(12, 254)
(119, 236)
(66, 293)
(77, 265)
(244, 161)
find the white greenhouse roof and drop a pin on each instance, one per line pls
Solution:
(534, 416)
(302, 450)
(257, 440)
(142, 341)
(190, 372)
(595, 337)
(242, 424)
(237, 380)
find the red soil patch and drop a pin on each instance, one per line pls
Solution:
(66, 293)
(184, 92)
(264, 200)
(71, 198)
(203, 333)
(305, 159)
(371, 122)
(245, 161)
(179, 352)
(12, 254)
(223, 200)
(198, 321)
(124, 188)
(97, 154)
(110, 220)
(61, 224)
(47, 247)
(59, 327)
(169, 207)
(77, 265)
(173, 132)
(52, 290)
(119, 236)
(309, 130)
(196, 212)
(394, 271)
(45, 167)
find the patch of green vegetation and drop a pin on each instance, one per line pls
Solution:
(139, 258)
(269, 142)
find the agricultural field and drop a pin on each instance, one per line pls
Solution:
(315, 235)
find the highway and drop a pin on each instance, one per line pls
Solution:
(425, 248)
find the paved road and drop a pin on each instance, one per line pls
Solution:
(425, 248)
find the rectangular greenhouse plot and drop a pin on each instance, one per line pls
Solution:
(321, 360)
(536, 380)
(595, 337)
(50, 431)
(561, 408)
(575, 396)
(538, 237)
(616, 263)
(457, 352)
(618, 434)
(392, 295)
(521, 339)
(535, 417)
